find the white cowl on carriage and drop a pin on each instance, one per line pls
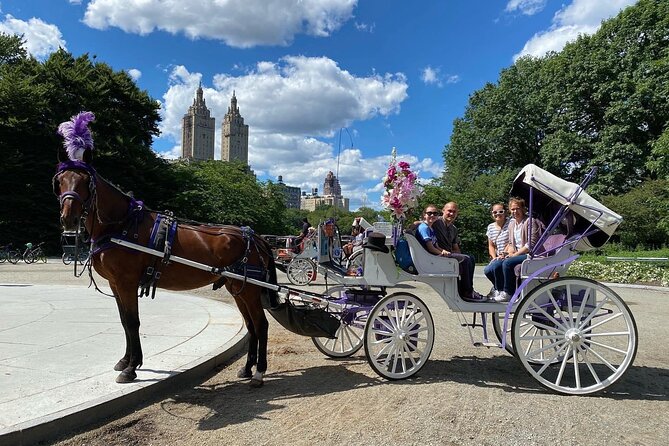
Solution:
(572, 334)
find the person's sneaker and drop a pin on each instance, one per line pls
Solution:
(491, 295)
(503, 296)
(475, 297)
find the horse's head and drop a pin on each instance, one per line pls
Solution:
(74, 185)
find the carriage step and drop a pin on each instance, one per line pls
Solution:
(488, 344)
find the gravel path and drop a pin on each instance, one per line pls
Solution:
(464, 395)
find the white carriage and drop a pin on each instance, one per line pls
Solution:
(572, 334)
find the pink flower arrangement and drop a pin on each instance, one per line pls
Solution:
(402, 192)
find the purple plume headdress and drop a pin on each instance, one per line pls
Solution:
(77, 136)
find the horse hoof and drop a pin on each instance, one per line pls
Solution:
(257, 380)
(126, 377)
(243, 373)
(121, 365)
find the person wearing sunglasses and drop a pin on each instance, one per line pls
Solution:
(448, 241)
(498, 237)
(425, 234)
(520, 238)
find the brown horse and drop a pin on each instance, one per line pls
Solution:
(88, 199)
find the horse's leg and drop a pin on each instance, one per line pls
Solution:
(123, 362)
(260, 325)
(251, 356)
(129, 306)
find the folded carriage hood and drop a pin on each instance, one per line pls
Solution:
(563, 192)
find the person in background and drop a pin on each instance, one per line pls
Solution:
(498, 237)
(428, 235)
(520, 235)
(358, 236)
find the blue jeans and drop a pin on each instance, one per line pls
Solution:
(508, 265)
(493, 271)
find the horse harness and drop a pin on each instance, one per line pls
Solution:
(161, 238)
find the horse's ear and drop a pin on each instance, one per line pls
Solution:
(88, 156)
(62, 154)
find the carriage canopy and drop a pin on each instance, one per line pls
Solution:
(554, 191)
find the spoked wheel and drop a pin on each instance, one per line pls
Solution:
(526, 327)
(14, 257)
(29, 258)
(67, 258)
(576, 335)
(301, 271)
(349, 337)
(399, 336)
(498, 328)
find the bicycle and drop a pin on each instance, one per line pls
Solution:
(8, 253)
(35, 254)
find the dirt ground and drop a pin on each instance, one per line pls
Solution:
(463, 395)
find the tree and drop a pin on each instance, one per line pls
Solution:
(34, 98)
(644, 210)
(602, 101)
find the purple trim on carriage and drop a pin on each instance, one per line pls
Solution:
(529, 278)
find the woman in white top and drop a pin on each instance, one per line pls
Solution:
(520, 235)
(498, 238)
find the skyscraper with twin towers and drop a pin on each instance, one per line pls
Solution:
(198, 130)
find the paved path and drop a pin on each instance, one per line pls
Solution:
(59, 343)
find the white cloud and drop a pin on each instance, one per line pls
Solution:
(365, 27)
(579, 17)
(134, 73)
(453, 79)
(41, 38)
(239, 23)
(288, 106)
(526, 7)
(430, 76)
(433, 76)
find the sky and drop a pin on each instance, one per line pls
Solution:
(324, 85)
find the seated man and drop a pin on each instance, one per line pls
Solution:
(449, 241)
(429, 239)
(358, 233)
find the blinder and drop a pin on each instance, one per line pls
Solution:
(71, 194)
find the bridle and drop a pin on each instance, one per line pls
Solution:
(72, 195)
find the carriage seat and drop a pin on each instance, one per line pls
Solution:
(551, 252)
(427, 263)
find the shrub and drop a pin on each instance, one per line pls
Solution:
(621, 272)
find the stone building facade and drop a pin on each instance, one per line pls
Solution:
(198, 130)
(235, 138)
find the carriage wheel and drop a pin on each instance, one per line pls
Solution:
(301, 272)
(526, 327)
(576, 335)
(350, 334)
(399, 336)
(498, 328)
